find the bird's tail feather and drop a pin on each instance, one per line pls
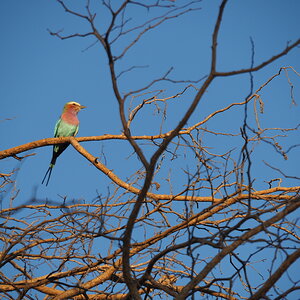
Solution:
(49, 171)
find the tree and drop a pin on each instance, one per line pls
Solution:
(212, 227)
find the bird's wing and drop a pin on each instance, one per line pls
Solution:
(56, 128)
(76, 130)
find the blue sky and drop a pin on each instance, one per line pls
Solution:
(40, 73)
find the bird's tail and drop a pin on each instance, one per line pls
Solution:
(49, 171)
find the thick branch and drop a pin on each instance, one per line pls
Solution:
(260, 294)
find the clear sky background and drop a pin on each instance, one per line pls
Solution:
(40, 73)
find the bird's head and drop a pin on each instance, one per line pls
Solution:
(73, 106)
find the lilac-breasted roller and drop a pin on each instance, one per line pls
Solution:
(67, 125)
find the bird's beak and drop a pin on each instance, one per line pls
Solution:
(82, 106)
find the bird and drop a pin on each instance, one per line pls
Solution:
(67, 125)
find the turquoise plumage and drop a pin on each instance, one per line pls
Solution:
(67, 125)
